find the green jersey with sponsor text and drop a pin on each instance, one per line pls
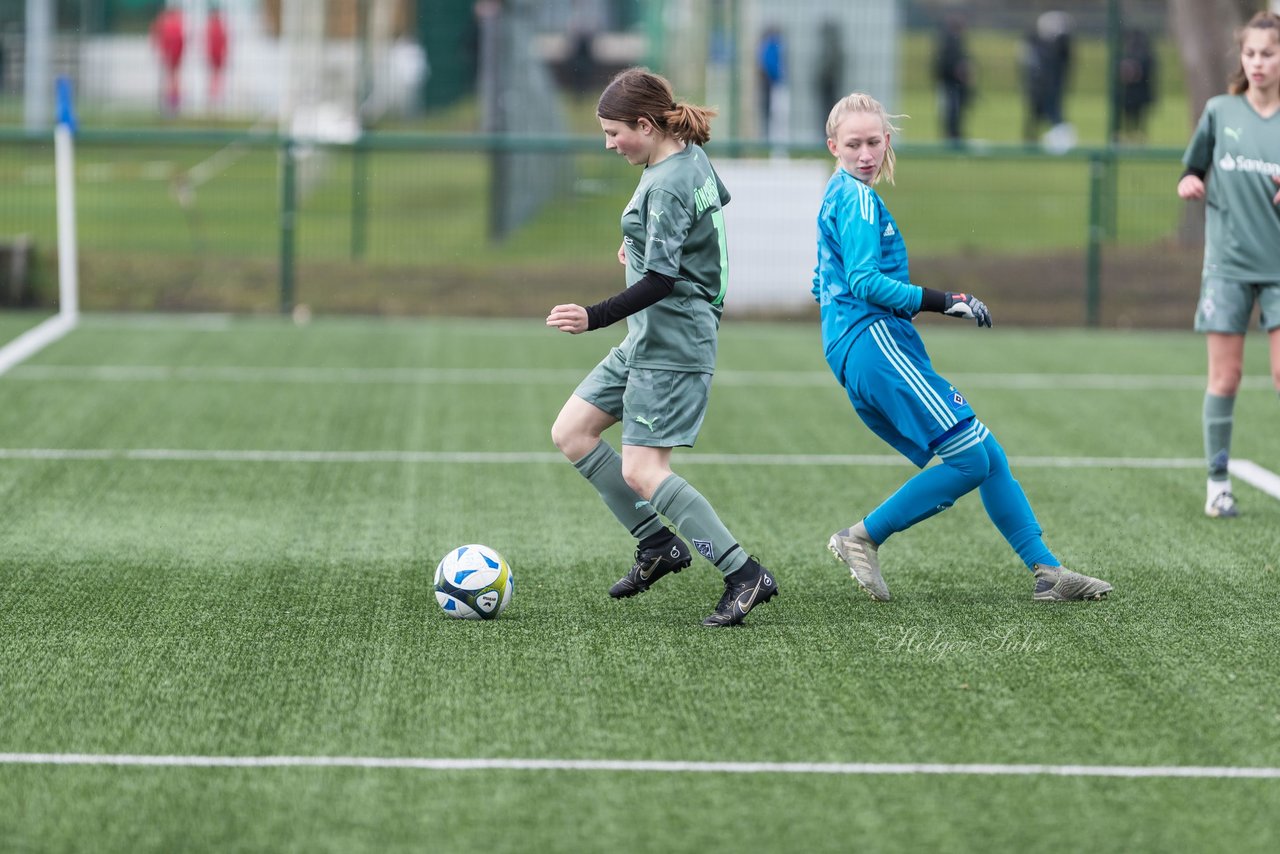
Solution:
(674, 224)
(1240, 150)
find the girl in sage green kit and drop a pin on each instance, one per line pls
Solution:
(1233, 163)
(657, 381)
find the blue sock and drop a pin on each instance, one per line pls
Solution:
(934, 489)
(1009, 509)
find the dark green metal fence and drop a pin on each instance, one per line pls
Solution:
(403, 223)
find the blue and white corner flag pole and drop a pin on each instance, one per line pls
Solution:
(36, 339)
(65, 164)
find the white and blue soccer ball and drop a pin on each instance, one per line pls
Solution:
(473, 582)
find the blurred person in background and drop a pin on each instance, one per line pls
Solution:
(867, 301)
(829, 79)
(1233, 163)
(582, 63)
(584, 23)
(1045, 60)
(1135, 85)
(771, 73)
(1056, 58)
(1054, 31)
(216, 42)
(1031, 65)
(169, 39)
(657, 382)
(953, 71)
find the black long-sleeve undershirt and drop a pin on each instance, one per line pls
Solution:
(650, 289)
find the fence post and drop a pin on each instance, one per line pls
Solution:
(364, 85)
(1098, 169)
(1114, 35)
(359, 198)
(288, 221)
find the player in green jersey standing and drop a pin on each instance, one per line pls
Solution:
(1235, 154)
(658, 380)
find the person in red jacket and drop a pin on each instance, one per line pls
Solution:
(168, 37)
(216, 51)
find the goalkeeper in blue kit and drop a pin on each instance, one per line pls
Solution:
(867, 301)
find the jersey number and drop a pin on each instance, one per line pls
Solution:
(717, 220)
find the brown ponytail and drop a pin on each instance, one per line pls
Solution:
(638, 93)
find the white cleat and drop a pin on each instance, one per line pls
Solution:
(1221, 506)
(1056, 584)
(859, 554)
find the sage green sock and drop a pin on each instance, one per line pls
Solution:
(602, 467)
(698, 523)
(1218, 419)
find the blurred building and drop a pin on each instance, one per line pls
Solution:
(361, 57)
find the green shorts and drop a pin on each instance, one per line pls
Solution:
(658, 409)
(1225, 305)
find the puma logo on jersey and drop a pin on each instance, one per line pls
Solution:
(657, 215)
(1234, 133)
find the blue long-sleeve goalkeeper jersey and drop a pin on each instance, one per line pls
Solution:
(862, 273)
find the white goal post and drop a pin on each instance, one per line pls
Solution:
(36, 339)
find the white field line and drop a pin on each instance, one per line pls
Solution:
(537, 457)
(1256, 476)
(567, 376)
(641, 766)
(35, 339)
(1246, 470)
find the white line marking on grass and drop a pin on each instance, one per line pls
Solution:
(1246, 470)
(360, 376)
(641, 766)
(34, 340)
(1256, 476)
(562, 376)
(1095, 382)
(181, 455)
(509, 457)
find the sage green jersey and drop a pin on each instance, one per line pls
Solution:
(1240, 150)
(674, 225)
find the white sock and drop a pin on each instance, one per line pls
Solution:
(1217, 487)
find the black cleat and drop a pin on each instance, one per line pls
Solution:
(671, 555)
(749, 586)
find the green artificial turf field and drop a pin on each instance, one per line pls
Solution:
(218, 540)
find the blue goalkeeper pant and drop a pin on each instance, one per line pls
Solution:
(972, 458)
(896, 392)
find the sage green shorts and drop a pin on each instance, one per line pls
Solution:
(658, 409)
(1225, 306)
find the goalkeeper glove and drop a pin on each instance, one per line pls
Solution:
(967, 306)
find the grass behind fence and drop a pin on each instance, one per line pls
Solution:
(431, 208)
(415, 236)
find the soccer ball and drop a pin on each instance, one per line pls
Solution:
(473, 582)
